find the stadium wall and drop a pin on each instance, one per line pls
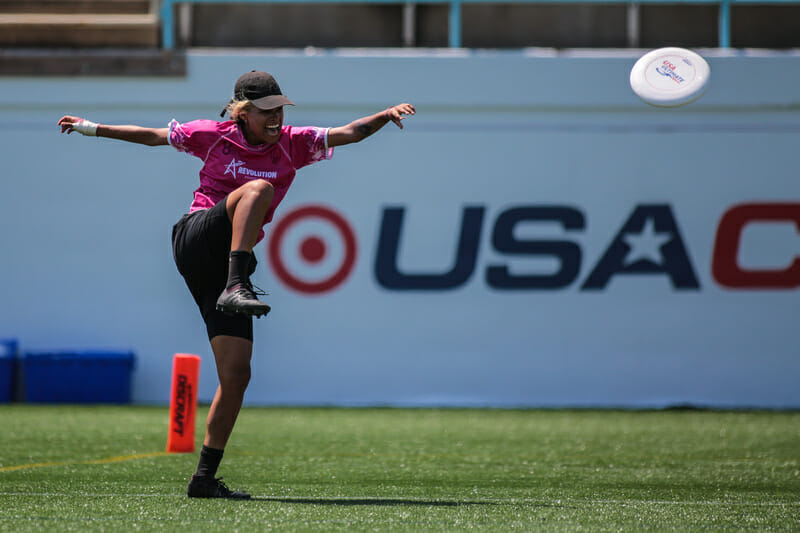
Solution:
(535, 237)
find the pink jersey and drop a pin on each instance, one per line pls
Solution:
(229, 161)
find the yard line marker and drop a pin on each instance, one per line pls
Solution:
(32, 465)
(108, 460)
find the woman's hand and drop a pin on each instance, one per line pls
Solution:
(84, 127)
(395, 113)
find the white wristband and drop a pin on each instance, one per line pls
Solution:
(85, 127)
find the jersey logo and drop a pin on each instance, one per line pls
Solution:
(232, 166)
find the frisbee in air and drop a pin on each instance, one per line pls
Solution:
(670, 77)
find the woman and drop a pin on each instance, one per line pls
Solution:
(249, 163)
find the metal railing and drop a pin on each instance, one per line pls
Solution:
(454, 18)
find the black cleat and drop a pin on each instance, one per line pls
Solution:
(209, 487)
(241, 299)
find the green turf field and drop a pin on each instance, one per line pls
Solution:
(104, 469)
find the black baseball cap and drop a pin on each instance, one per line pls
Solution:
(261, 89)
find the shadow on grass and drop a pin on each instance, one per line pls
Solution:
(378, 502)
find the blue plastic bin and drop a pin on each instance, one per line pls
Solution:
(78, 377)
(8, 368)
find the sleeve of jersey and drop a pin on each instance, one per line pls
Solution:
(193, 137)
(309, 145)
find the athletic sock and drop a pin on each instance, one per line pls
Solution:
(238, 265)
(209, 462)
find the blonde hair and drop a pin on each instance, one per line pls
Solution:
(238, 108)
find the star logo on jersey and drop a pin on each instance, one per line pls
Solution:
(232, 166)
(647, 244)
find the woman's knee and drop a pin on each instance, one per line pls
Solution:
(255, 195)
(235, 380)
(260, 188)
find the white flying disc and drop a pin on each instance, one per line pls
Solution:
(670, 77)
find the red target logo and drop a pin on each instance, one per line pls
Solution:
(312, 249)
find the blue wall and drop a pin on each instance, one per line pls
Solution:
(86, 258)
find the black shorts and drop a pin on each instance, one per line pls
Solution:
(201, 245)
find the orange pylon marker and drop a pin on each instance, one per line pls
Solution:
(183, 403)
